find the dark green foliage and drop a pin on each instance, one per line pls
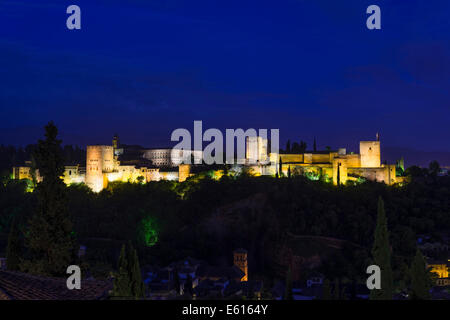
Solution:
(137, 285)
(337, 290)
(176, 281)
(434, 168)
(15, 203)
(260, 212)
(339, 174)
(420, 278)
(298, 147)
(140, 179)
(147, 232)
(295, 148)
(280, 168)
(303, 146)
(400, 167)
(49, 238)
(288, 286)
(14, 249)
(128, 279)
(416, 172)
(326, 290)
(122, 282)
(381, 253)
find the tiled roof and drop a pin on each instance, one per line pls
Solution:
(22, 286)
(208, 272)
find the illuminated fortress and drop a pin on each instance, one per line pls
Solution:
(116, 162)
(336, 166)
(106, 164)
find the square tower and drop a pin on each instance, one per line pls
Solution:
(370, 154)
(240, 261)
(256, 150)
(99, 160)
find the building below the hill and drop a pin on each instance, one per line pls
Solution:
(441, 268)
(202, 280)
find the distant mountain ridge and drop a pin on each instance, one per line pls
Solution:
(415, 157)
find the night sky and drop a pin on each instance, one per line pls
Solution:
(142, 68)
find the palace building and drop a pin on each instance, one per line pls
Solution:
(337, 166)
(132, 163)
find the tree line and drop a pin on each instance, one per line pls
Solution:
(207, 219)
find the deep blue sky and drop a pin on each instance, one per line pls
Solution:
(142, 68)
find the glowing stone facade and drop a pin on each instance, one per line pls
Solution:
(109, 163)
(256, 150)
(370, 154)
(336, 166)
(99, 161)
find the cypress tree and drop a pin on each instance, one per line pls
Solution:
(339, 174)
(288, 146)
(302, 147)
(353, 290)
(280, 167)
(326, 290)
(288, 292)
(336, 292)
(289, 172)
(420, 279)
(122, 283)
(343, 294)
(137, 285)
(49, 237)
(176, 281)
(13, 250)
(381, 253)
(128, 280)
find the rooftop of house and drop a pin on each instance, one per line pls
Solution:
(23, 286)
(246, 288)
(233, 272)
